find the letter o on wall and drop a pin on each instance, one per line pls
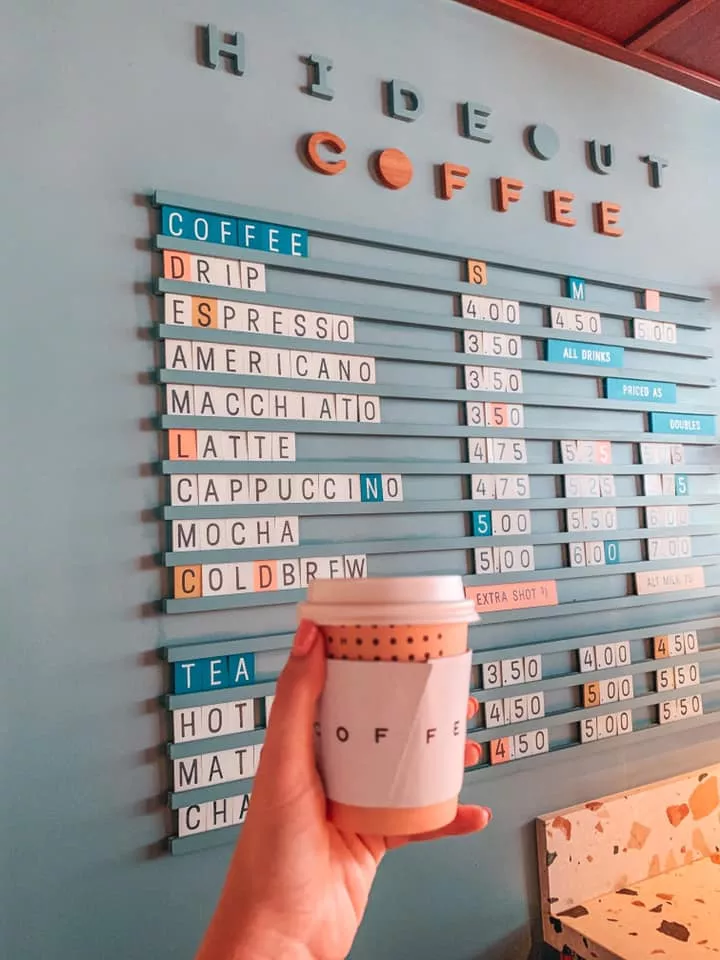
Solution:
(393, 168)
(543, 142)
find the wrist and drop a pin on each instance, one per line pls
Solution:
(249, 935)
(265, 942)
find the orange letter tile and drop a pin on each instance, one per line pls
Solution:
(332, 142)
(591, 695)
(561, 207)
(477, 271)
(651, 300)
(176, 266)
(500, 750)
(265, 575)
(496, 415)
(452, 177)
(188, 582)
(508, 191)
(660, 648)
(204, 312)
(608, 215)
(602, 451)
(182, 444)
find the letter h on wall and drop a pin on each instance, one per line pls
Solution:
(232, 49)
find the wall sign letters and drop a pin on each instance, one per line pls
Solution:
(327, 152)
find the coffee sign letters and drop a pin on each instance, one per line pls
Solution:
(327, 152)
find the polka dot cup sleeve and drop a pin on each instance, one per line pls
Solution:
(391, 721)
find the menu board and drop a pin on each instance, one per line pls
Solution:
(344, 402)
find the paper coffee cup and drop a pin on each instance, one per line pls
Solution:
(392, 716)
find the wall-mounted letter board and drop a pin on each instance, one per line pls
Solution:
(344, 402)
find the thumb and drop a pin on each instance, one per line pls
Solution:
(288, 755)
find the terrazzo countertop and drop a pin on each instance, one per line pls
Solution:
(673, 915)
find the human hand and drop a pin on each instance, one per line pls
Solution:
(297, 886)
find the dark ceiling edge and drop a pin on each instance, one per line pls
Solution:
(545, 23)
(665, 24)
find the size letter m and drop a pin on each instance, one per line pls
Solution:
(575, 288)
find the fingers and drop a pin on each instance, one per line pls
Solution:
(469, 819)
(288, 757)
(473, 753)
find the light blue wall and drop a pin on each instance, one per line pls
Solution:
(101, 104)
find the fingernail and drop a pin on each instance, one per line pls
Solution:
(307, 634)
(488, 811)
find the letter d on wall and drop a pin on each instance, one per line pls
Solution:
(404, 101)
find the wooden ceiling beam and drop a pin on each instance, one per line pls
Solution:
(546, 23)
(666, 23)
(526, 15)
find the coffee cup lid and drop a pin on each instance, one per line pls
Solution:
(388, 600)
